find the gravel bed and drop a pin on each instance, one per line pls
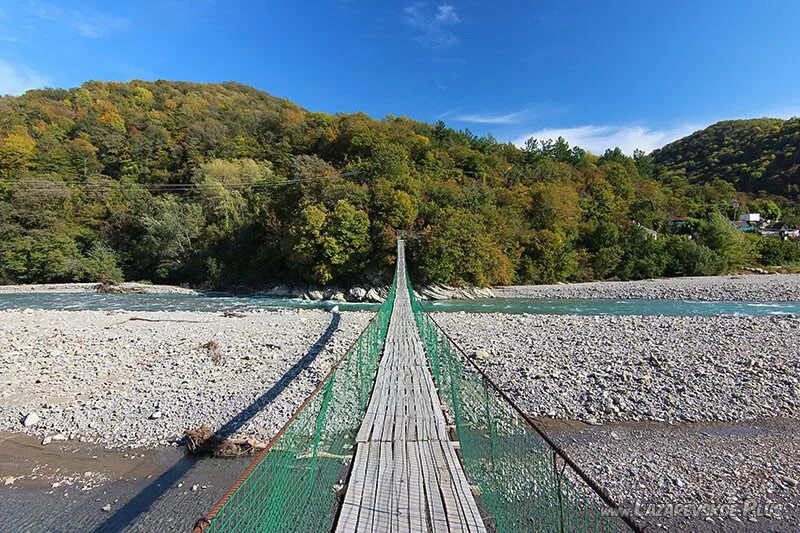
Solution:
(615, 368)
(670, 410)
(748, 287)
(104, 377)
(746, 473)
(143, 288)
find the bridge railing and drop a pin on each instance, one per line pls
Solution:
(292, 485)
(522, 484)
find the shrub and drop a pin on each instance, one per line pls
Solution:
(101, 265)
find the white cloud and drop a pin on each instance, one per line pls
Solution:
(92, 25)
(485, 118)
(16, 79)
(432, 28)
(597, 139)
(447, 14)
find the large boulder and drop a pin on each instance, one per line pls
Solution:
(373, 296)
(356, 294)
(279, 291)
(315, 295)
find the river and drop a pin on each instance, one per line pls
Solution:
(218, 302)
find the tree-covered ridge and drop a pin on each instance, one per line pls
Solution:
(223, 185)
(753, 155)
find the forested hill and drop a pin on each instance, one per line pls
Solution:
(223, 185)
(754, 155)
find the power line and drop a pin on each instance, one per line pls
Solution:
(50, 186)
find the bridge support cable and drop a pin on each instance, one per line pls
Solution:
(518, 472)
(293, 485)
(406, 475)
(384, 416)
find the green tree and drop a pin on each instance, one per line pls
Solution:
(642, 255)
(101, 265)
(165, 237)
(777, 252)
(392, 206)
(687, 257)
(457, 248)
(768, 209)
(732, 245)
(17, 149)
(329, 244)
(548, 258)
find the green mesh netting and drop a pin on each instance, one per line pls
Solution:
(518, 481)
(293, 487)
(519, 484)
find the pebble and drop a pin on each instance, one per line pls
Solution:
(599, 369)
(685, 407)
(31, 419)
(482, 355)
(101, 367)
(749, 287)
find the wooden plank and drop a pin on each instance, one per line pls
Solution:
(437, 516)
(348, 518)
(401, 520)
(406, 477)
(416, 490)
(368, 499)
(455, 515)
(381, 521)
(473, 517)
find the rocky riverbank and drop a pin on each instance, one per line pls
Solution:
(374, 294)
(747, 287)
(120, 288)
(127, 379)
(745, 473)
(669, 410)
(622, 368)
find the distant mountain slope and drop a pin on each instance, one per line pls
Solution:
(222, 185)
(754, 155)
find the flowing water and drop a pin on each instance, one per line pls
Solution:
(217, 302)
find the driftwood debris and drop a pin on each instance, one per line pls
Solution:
(202, 440)
(111, 288)
(142, 319)
(215, 352)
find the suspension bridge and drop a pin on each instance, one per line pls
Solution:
(405, 434)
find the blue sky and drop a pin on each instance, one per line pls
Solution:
(627, 73)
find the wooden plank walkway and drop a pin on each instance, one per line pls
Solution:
(406, 477)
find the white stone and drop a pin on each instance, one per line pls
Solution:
(31, 419)
(482, 355)
(356, 294)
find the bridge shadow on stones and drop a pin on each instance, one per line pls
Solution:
(147, 499)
